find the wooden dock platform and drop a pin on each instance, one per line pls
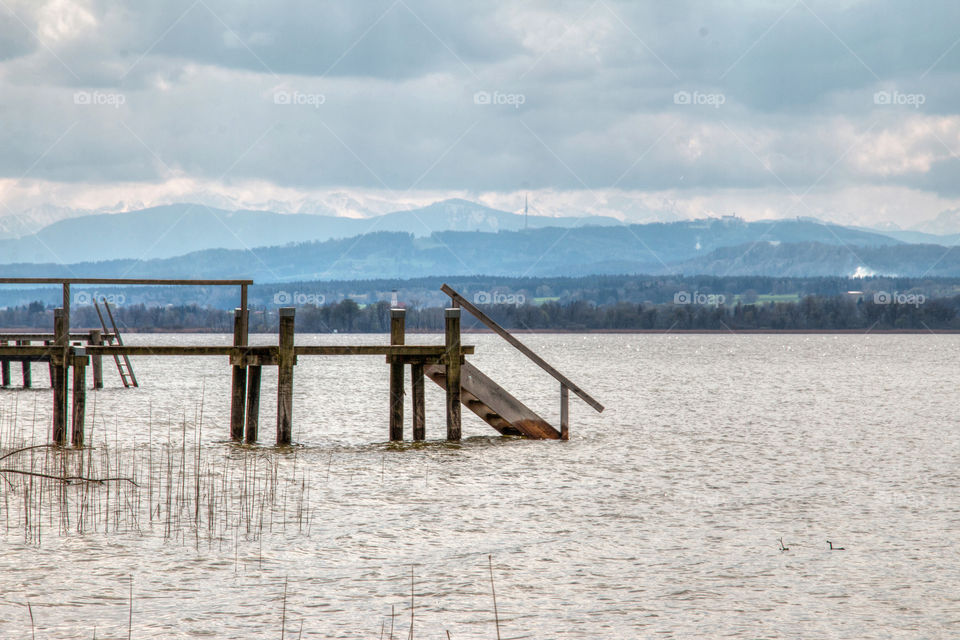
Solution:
(445, 364)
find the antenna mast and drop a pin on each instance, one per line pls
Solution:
(525, 210)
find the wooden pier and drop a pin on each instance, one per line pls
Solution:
(444, 364)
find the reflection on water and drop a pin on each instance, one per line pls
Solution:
(660, 517)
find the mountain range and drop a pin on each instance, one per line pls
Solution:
(458, 237)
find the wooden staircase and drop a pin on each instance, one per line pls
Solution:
(494, 404)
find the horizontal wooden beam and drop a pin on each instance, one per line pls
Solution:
(125, 281)
(267, 353)
(48, 336)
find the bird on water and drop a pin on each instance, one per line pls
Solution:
(833, 548)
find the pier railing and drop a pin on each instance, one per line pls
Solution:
(566, 384)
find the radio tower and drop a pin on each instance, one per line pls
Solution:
(525, 210)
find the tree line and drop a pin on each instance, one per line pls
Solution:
(823, 313)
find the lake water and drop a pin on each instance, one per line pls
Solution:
(658, 519)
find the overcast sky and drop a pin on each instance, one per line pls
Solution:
(844, 110)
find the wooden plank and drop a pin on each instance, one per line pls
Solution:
(40, 337)
(58, 380)
(495, 405)
(378, 350)
(80, 362)
(95, 339)
(27, 379)
(143, 281)
(253, 403)
(419, 408)
(564, 413)
(238, 386)
(4, 368)
(285, 378)
(524, 349)
(452, 341)
(397, 329)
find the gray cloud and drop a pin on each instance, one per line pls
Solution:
(483, 96)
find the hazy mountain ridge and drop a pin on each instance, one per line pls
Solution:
(716, 246)
(173, 230)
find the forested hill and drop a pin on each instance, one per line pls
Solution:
(719, 247)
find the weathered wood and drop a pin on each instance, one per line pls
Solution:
(58, 373)
(95, 339)
(452, 342)
(495, 405)
(524, 349)
(48, 344)
(564, 413)
(153, 281)
(285, 377)
(40, 337)
(4, 368)
(27, 378)
(397, 330)
(80, 362)
(419, 410)
(238, 387)
(253, 403)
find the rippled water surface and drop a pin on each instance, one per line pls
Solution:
(659, 518)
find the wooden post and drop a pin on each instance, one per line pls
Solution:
(96, 340)
(564, 412)
(238, 393)
(397, 328)
(419, 414)
(286, 361)
(253, 403)
(58, 372)
(80, 361)
(4, 368)
(452, 356)
(25, 366)
(48, 343)
(66, 308)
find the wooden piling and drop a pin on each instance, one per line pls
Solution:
(452, 358)
(397, 329)
(253, 403)
(238, 387)
(48, 343)
(80, 362)
(564, 412)
(419, 413)
(58, 373)
(4, 368)
(285, 361)
(25, 367)
(95, 339)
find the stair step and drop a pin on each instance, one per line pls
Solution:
(494, 404)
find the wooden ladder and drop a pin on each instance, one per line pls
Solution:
(123, 362)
